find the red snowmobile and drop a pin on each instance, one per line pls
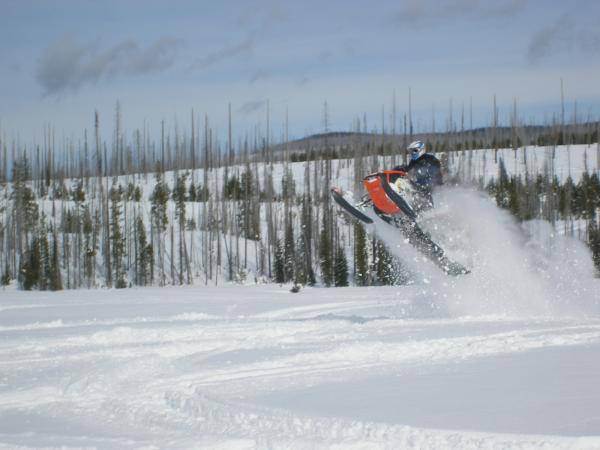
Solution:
(398, 202)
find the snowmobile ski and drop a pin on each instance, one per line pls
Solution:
(338, 196)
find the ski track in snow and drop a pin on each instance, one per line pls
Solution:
(191, 369)
(254, 366)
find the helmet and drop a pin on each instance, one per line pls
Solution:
(416, 149)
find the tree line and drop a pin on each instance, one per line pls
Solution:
(209, 212)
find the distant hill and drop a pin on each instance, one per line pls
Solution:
(484, 137)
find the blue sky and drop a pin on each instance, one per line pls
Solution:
(61, 60)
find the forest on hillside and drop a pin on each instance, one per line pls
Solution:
(189, 209)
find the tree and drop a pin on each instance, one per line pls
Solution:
(202, 193)
(144, 254)
(77, 193)
(288, 185)
(54, 276)
(384, 264)
(289, 251)
(279, 264)
(594, 243)
(89, 246)
(26, 211)
(159, 199)
(45, 260)
(192, 192)
(305, 247)
(341, 268)
(116, 236)
(232, 189)
(158, 212)
(249, 209)
(325, 256)
(179, 196)
(361, 257)
(5, 280)
(30, 268)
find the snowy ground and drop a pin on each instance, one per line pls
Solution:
(260, 367)
(507, 356)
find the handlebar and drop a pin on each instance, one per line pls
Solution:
(387, 174)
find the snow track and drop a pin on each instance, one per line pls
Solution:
(256, 367)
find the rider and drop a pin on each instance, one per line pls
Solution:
(424, 170)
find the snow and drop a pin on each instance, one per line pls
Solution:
(507, 356)
(260, 367)
(445, 395)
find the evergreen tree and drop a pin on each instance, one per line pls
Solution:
(361, 257)
(587, 196)
(249, 208)
(594, 243)
(179, 197)
(249, 219)
(55, 279)
(5, 280)
(341, 268)
(288, 185)
(137, 194)
(325, 256)
(45, 261)
(60, 191)
(30, 268)
(503, 188)
(202, 194)
(116, 236)
(77, 193)
(232, 189)
(89, 246)
(279, 264)
(158, 212)
(306, 242)
(567, 197)
(159, 199)
(289, 252)
(300, 273)
(25, 208)
(144, 256)
(384, 264)
(513, 196)
(192, 193)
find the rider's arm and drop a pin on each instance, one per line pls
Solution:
(394, 177)
(405, 167)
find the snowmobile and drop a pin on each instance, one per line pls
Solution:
(399, 204)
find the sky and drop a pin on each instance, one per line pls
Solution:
(64, 59)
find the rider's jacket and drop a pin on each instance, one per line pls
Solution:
(425, 171)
